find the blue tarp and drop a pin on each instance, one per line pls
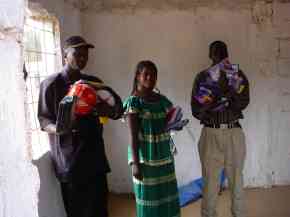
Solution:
(193, 191)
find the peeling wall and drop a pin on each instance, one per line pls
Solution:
(49, 200)
(174, 36)
(117, 5)
(177, 41)
(164, 5)
(67, 14)
(27, 183)
(17, 176)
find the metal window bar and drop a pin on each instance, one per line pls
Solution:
(42, 57)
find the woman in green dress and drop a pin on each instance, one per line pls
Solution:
(149, 154)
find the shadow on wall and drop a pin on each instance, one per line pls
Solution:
(49, 196)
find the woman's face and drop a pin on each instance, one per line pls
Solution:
(147, 79)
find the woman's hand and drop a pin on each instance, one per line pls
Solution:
(136, 171)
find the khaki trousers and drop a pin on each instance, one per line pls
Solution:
(218, 149)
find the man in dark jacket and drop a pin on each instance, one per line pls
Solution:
(83, 176)
(219, 95)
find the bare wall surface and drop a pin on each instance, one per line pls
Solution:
(177, 41)
(27, 183)
(18, 195)
(67, 14)
(48, 195)
(153, 5)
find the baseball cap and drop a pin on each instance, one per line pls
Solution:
(76, 41)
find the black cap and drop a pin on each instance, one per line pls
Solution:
(76, 41)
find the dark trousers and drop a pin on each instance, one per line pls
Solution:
(86, 199)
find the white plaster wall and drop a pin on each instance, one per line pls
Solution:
(49, 200)
(177, 41)
(17, 183)
(27, 183)
(68, 16)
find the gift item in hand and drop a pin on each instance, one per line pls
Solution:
(65, 117)
(89, 94)
(207, 92)
(174, 119)
(82, 99)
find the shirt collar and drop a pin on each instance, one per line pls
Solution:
(67, 78)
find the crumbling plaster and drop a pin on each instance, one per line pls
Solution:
(258, 33)
(177, 40)
(27, 185)
(117, 5)
(175, 34)
(17, 176)
(67, 15)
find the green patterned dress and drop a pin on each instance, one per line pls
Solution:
(157, 194)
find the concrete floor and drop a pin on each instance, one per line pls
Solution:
(271, 202)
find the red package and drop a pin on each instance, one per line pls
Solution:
(87, 98)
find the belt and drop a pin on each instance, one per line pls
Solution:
(224, 126)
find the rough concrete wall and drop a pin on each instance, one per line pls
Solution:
(177, 41)
(18, 193)
(67, 14)
(129, 5)
(49, 201)
(27, 184)
(133, 5)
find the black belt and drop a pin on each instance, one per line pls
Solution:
(224, 126)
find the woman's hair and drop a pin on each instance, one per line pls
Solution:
(139, 68)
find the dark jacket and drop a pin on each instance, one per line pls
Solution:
(237, 101)
(83, 148)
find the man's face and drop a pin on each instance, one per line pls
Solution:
(77, 58)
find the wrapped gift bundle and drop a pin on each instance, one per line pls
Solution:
(89, 94)
(82, 99)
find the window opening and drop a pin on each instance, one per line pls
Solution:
(42, 57)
